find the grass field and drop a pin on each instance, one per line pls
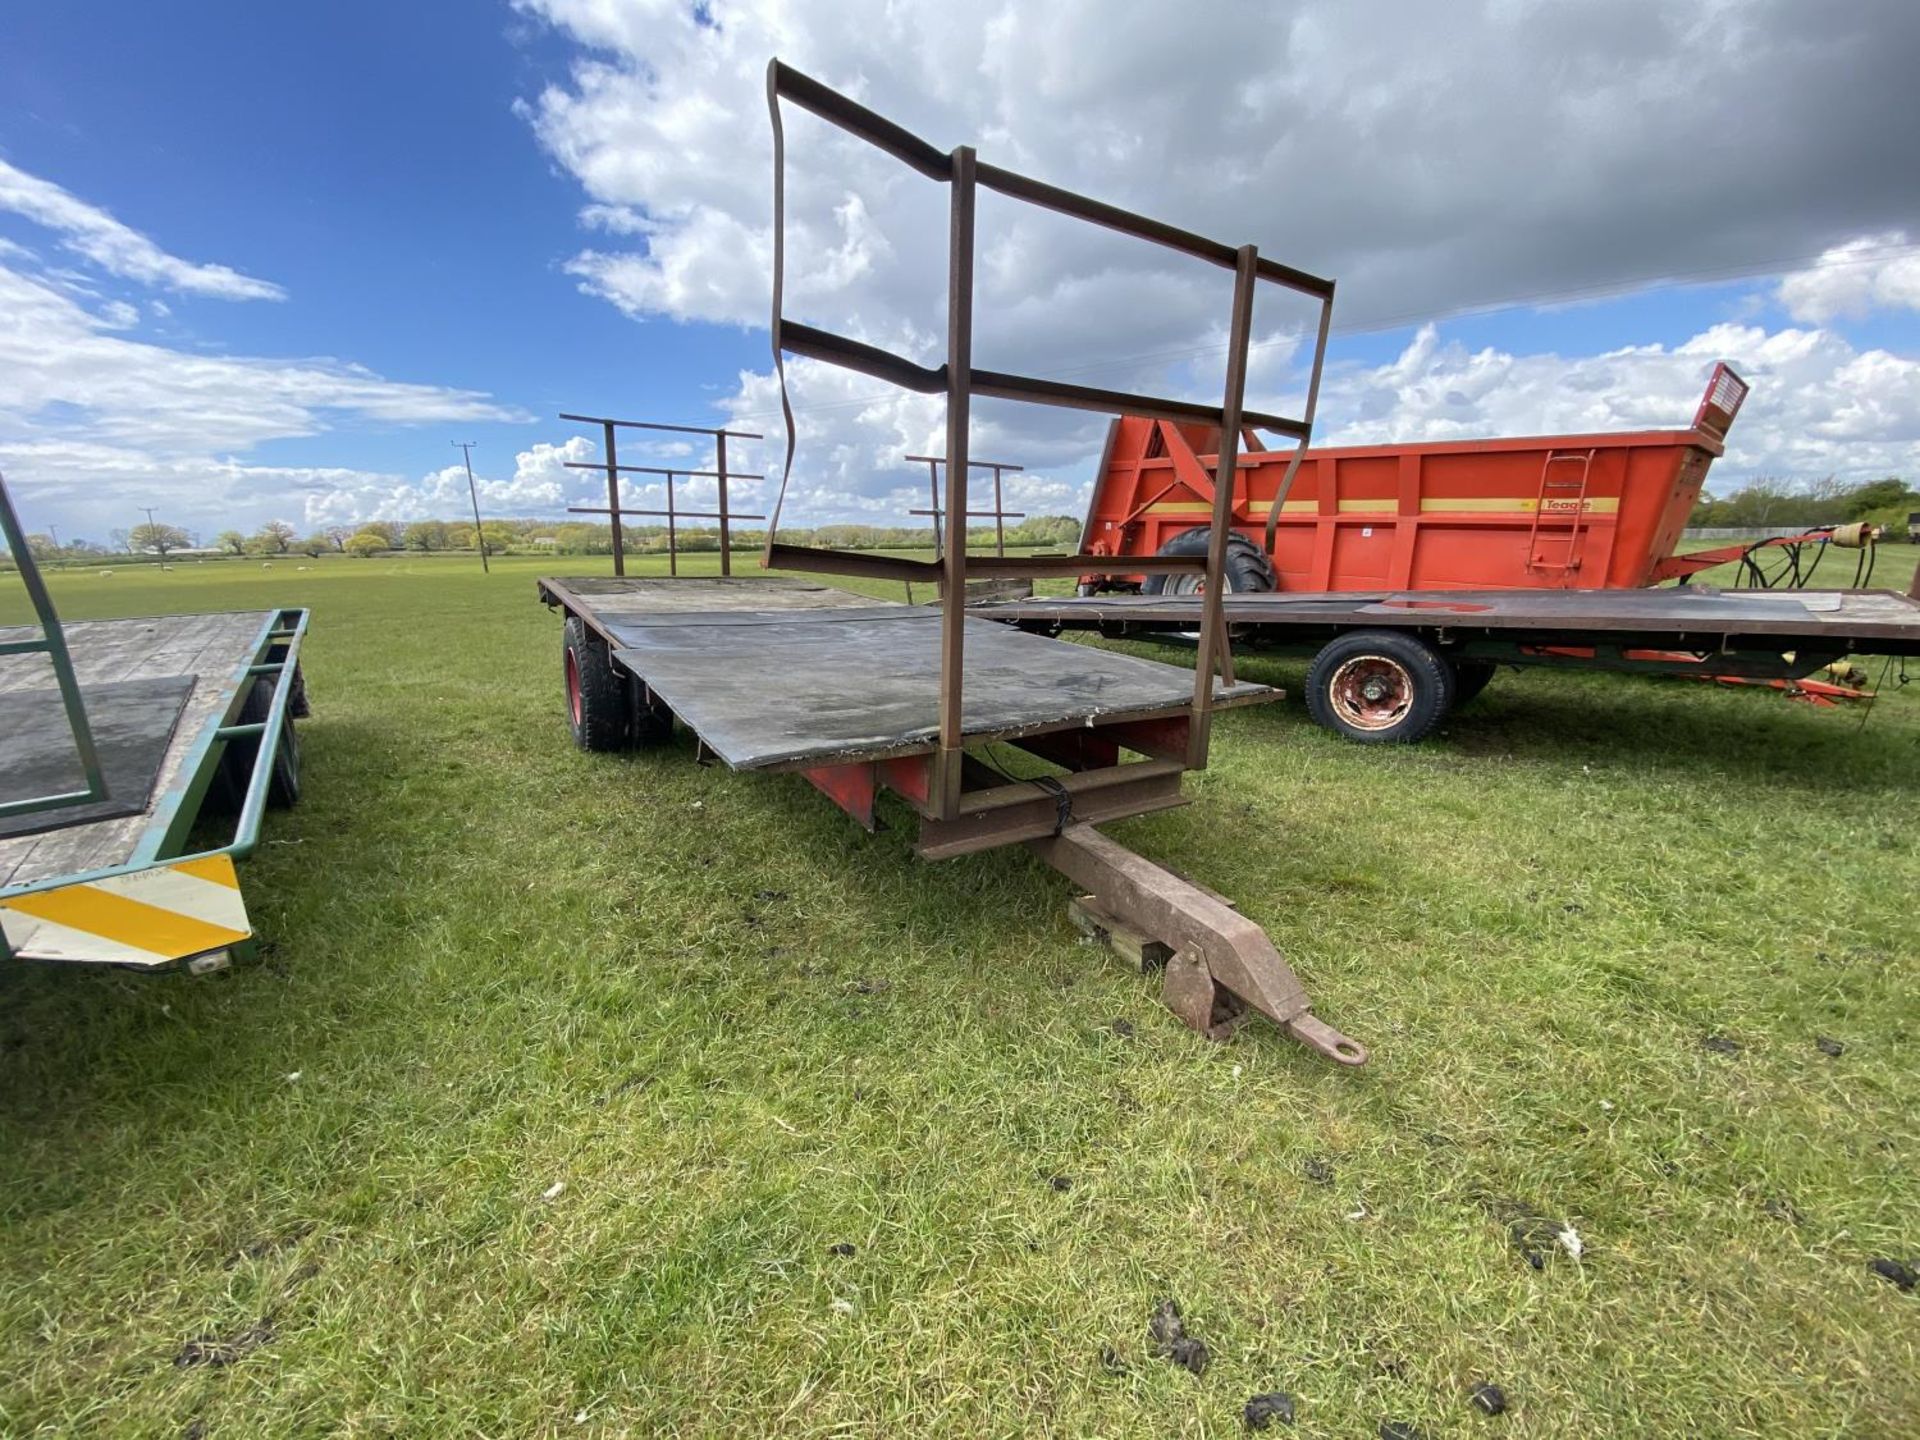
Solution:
(852, 1144)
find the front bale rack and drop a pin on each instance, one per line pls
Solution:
(787, 674)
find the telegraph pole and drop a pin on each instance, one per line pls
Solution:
(465, 447)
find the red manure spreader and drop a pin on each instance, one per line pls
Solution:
(1412, 572)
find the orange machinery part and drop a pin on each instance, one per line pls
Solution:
(1550, 512)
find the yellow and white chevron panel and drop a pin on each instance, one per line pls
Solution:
(152, 917)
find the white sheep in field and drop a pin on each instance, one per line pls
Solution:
(266, 564)
(106, 574)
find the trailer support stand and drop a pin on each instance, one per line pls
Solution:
(1222, 964)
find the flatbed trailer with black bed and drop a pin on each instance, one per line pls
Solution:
(1388, 666)
(137, 760)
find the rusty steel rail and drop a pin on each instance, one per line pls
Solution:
(999, 514)
(613, 469)
(959, 380)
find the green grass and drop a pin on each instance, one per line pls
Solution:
(741, 1032)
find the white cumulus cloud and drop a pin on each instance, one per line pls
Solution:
(91, 418)
(1874, 272)
(1434, 160)
(1818, 405)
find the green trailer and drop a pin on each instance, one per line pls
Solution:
(138, 759)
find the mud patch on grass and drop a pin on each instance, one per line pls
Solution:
(211, 1350)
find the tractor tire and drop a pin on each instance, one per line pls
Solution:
(1470, 677)
(1247, 567)
(598, 710)
(1379, 687)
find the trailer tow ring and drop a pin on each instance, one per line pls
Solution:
(1220, 966)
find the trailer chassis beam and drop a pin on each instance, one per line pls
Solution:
(1220, 965)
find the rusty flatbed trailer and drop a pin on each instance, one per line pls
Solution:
(923, 701)
(1388, 664)
(789, 676)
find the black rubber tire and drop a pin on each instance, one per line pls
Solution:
(1470, 677)
(1422, 679)
(297, 706)
(229, 789)
(598, 710)
(1247, 568)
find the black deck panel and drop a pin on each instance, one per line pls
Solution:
(1878, 620)
(766, 689)
(132, 723)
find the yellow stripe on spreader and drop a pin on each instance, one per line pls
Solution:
(217, 868)
(1593, 505)
(129, 922)
(1455, 505)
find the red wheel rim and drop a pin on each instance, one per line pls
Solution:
(1371, 692)
(573, 689)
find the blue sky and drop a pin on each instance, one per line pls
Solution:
(478, 215)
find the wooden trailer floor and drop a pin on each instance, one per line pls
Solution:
(205, 652)
(774, 674)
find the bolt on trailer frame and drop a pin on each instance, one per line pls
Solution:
(129, 889)
(613, 470)
(959, 380)
(785, 674)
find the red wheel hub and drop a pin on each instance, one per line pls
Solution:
(1371, 692)
(573, 689)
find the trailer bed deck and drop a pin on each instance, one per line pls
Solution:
(1878, 622)
(776, 674)
(207, 655)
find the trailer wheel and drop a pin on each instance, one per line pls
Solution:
(1379, 687)
(1470, 677)
(597, 708)
(1247, 567)
(228, 792)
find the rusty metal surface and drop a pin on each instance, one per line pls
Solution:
(1214, 946)
(609, 464)
(958, 379)
(999, 514)
(1034, 813)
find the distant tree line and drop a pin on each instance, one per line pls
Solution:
(1775, 504)
(573, 537)
(566, 537)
